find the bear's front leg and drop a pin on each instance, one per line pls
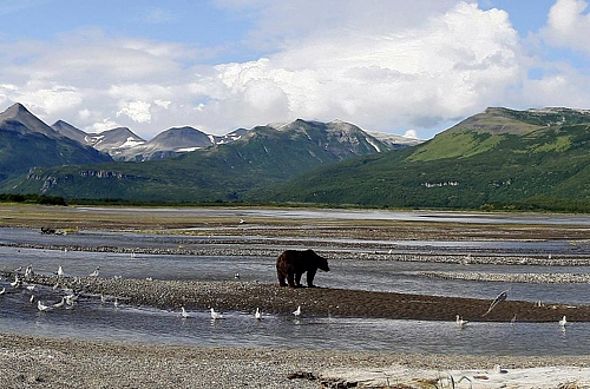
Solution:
(310, 276)
(291, 279)
(281, 278)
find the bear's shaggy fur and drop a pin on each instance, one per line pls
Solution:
(291, 265)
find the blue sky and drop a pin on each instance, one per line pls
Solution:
(387, 65)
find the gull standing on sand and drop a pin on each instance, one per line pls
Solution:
(60, 272)
(215, 315)
(42, 307)
(60, 304)
(95, 272)
(563, 322)
(460, 322)
(258, 315)
(32, 299)
(297, 312)
(71, 299)
(184, 313)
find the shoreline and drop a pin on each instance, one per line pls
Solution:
(31, 362)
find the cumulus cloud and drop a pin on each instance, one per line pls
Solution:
(410, 134)
(568, 25)
(394, 64)
(138, 111)
(448, 66)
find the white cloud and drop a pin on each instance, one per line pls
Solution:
(395, 64)
(138, 111)
(449, 66)
(568, 25)
(410, 134)
(162, 103)
(105, 124)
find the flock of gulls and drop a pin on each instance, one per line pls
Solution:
(70, 298)
(67, 301)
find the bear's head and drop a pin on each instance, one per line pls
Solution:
(320, 262)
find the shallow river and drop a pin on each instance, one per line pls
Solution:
(95, 320)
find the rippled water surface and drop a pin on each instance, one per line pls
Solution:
(93, 319)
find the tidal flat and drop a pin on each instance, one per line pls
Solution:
(397, 280)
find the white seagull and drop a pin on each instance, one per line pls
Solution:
(2, 291)
(60, 272)
(31, 287)
(513, 320)
(563, 322)
(95, 272)
(297, 312)
(237, 276)
(184, 313)
(29, 271)
(116, 303)
(71, 299)
(60, 304)
(460, 322)
(215, 315)
(16, 282)
(32, 299)
(258, 315)
(42, 307)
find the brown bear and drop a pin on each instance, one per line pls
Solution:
(291, 264)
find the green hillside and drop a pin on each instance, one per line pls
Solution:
(20, 152)
(544, 164)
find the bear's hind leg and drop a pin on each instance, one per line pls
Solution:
(298, 280)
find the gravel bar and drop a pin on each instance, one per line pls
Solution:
(247, 296)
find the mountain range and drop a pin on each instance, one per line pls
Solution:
(123, 144)
(497, 159)
(186, 165)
